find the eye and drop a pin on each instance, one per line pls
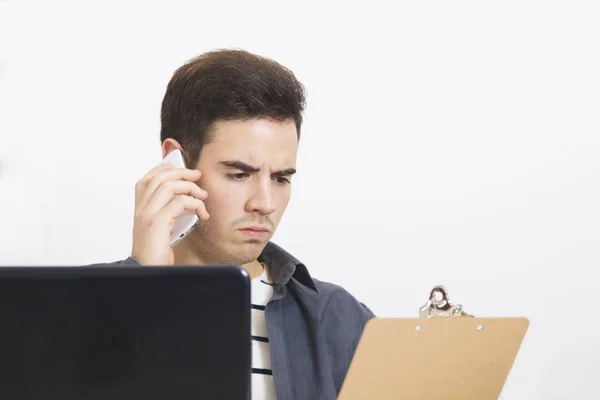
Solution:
(283, 181)
(237, 177)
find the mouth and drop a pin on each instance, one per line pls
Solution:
(254, 231)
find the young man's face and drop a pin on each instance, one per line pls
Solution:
(246, 170)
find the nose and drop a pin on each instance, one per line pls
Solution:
(262, 201)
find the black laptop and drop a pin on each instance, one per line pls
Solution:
(117, 332)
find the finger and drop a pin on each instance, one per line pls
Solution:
(143, 183)
(177, 174)
(180, 205)
(167, 190)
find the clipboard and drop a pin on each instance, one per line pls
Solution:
(444, 354)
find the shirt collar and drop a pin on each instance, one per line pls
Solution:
(283, 266)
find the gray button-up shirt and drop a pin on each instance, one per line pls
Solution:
(313, 327)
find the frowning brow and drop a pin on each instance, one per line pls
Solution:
(242, 166)
(285, 172)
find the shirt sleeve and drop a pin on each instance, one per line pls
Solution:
(343, 322)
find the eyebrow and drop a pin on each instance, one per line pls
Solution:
(242, 166)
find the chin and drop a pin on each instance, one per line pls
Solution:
(249, 251)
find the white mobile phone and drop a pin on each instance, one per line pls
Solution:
(187, 221)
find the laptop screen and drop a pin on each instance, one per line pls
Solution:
(103, 334)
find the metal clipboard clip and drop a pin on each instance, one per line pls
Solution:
(439, 305)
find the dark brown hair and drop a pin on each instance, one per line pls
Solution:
(225, 85)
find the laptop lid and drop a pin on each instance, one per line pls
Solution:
(119, 332)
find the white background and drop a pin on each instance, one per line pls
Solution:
(446, 142)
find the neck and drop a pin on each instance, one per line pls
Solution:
(184, 255)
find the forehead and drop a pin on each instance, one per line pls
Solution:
(256, 141)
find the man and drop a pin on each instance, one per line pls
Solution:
(237, 119)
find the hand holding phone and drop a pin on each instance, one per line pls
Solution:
(168, 206)
(186, 222)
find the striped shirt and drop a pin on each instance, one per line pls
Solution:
(263, 387)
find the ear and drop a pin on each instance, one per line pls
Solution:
(169, 145)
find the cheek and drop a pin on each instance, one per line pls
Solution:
(222, 201)
(285, 199)
(282, 203)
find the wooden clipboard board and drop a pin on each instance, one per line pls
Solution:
(449, 358)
